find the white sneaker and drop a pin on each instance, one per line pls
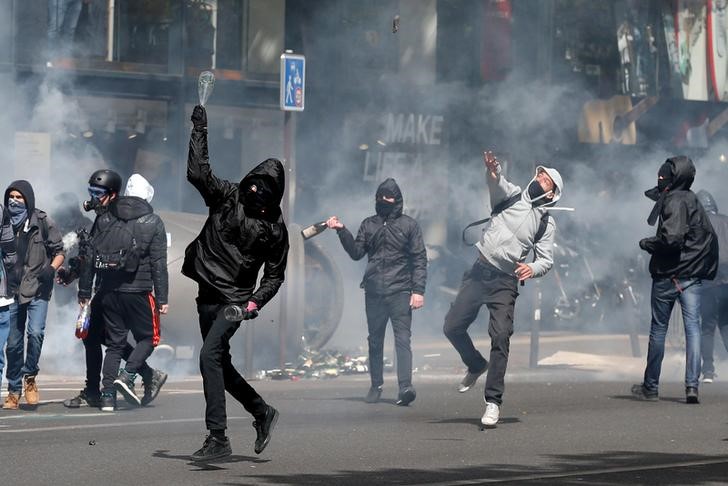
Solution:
(490, 417)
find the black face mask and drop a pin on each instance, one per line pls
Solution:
(664, 177)
(535, 191)
(384, 208)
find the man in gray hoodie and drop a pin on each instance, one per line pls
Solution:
(520, 223)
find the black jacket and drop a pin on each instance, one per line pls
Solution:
(397, 259)
(38, 242)
(151, 239)
(236, 241)
(685, 245)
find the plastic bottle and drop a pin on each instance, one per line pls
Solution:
(83, 320)
(313, 230)
(233, 313)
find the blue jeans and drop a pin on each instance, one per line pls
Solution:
(22, 363)
(4, 330)
(664, 294)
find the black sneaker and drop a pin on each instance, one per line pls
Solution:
(373, 395)
(406, 396)
(470, 379)
(213, 448)
(691, 395)
(641, 393)
(153, 386)
(108, 402)
(84, 399)
(264, 428)
(124, 384)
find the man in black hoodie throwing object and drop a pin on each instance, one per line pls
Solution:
(244, 231)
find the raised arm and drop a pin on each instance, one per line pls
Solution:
(199, 172)
(498, 187)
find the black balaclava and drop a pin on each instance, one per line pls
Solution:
(256, 196)
(666, 173)
(382, 207)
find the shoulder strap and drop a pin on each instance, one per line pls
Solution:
(498, 208)
(543, 225)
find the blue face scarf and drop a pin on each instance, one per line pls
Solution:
(18, 211)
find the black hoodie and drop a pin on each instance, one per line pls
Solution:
(151, 238)
(38, 242)
(685, 245)
(397, 259)
(720, 225)
(237, 240)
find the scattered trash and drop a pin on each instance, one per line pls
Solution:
(324, 364)
(92, 442)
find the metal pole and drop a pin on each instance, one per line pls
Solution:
(535, 328)
(110, 32)
(289, 164)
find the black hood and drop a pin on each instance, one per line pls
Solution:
(130, 207)
(270, 179)
(682, 171)
(389, 188)
(707, 201)
(24, 188)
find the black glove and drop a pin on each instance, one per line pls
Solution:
(47, 274)
(64, 276)
(199, 117)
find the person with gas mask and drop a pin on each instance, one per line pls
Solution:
(714, 296)
(394, 283)
(104, 188)
(244, 231)
(519, 224)
(684, 253)
(39, 254)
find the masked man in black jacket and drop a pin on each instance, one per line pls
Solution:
(129, 260)
(394, 282)
(684, 253)
(244, 231)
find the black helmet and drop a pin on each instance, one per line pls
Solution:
(107, 179)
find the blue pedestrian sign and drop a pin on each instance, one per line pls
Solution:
(293, 82)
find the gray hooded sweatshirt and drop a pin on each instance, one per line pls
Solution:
(509, 238)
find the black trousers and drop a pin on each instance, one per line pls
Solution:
(484, 284)
(379, 310)
(714, 313)
(218, 373)
(94, 354)
(123, 312)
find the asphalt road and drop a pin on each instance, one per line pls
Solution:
(554, 429)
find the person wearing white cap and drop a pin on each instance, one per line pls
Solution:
(519, 224)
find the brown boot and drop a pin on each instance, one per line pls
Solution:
(32, 397)
(12, 401)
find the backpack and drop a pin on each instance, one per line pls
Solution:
(115, 247)
(502, 206)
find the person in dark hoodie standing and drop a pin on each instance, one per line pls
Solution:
(129, 245)
(104, 188)
(394, 282)
(244, 231)
(714, 297)
(684, 252)
(519, 226)
(40, 254)
(8, 257)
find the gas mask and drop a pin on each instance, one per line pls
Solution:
(94, 203)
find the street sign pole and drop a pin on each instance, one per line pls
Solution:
(292, 98)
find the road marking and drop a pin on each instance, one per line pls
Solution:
(593, 472)
(115, 424)
(34, 416)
